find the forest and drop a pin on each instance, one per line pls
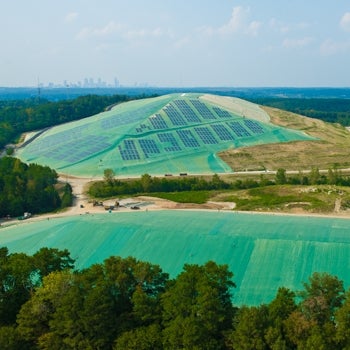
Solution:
(30, 188)
(124, 303)
(332, 110)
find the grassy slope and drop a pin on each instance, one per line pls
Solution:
(332, 148)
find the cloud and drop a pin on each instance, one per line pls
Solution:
(238, 23)
(110, 28)
(253, 28)
(330, 47)
(284, 28)
(297, 43)
(143, 33)
(345, 22)
(71, 17)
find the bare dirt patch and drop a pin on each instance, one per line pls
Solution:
(332, 148)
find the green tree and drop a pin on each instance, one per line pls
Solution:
(322, 296)
(10, 339)
(281, 178)
(315, 176)
(197, 307)
(250, 325)
(108, 175)
(47, 260)
(342, 320)
(21, 274)
(142, 338)
(146, 182)
(278, 312)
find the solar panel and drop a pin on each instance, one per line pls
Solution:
(129, 151)
(206, 135)
(254, 126)
(169, 138)
(149, 147)
(238, 129)
(222, 132)
(203, 110)
(158, 122)
(174, 116)
(187, 111)
(222, 113)
(187, 138)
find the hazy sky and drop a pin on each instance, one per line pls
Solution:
(176, 42)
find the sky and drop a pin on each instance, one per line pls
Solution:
(176, 43)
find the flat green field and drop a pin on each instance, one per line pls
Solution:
(263, 251)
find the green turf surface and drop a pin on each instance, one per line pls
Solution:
(263, 251)
(169, 134)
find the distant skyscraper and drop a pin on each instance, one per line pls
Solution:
(116, 82)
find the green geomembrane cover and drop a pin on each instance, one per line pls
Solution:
(263, 251)
(174, 134)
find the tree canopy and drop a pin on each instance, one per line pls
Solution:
(124, 303)
(29, 188)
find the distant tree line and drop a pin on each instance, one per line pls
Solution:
(332, 110)
(147, 184)
(21, 116)
(128, 304)
(30, 188)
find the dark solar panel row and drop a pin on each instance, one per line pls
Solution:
(149, 147)
(129, 151)
(187, 138)
(75, 151)
(61, 137)
(169, 138)
(222, 113)
(187, 111)
(238, 129)
(158, 122)
(174, 116)
(206, 135)
(222, 132)
(121, 119)
(142, 128)
(203, 110)
(254, 126)
(78, 149)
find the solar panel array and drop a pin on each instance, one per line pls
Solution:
(222, 132)
(254, 126)
(149, 147)
(206, 135)
(57, 139)
(183, 113)
(222, 113)
(187, 138)
(238, 129)
(158, 122)
(169, 138)
(74, 151)
(203, 110)
(174, 116)
(129, 151)
(187, 111)
(142, 128)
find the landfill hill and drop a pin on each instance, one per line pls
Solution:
(170, 134)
